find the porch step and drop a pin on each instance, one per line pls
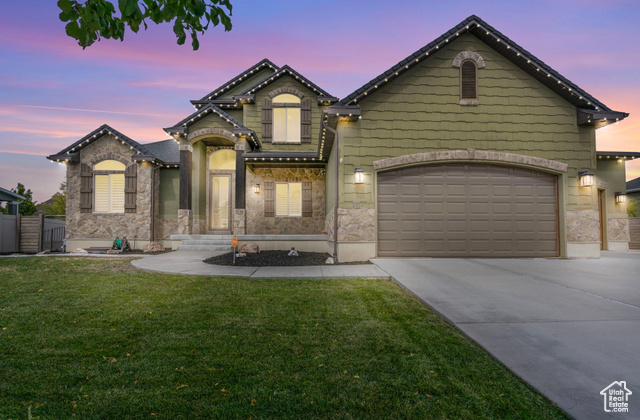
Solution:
(208, 248)
(206, 243)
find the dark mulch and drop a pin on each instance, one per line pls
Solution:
(274, 259)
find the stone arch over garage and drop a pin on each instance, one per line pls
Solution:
(470, 156)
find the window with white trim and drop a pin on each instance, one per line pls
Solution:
(286, 118)
(108, 190)
(289, 199)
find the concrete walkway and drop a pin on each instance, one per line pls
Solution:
(190, 262)
(567, 327)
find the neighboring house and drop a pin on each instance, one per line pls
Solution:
(471, 146)
(633, 188)
(12, 199)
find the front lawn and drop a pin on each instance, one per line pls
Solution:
(96, 338)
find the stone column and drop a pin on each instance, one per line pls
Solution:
(185, 214)
(239, 212)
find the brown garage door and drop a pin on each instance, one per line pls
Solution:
(460, 210)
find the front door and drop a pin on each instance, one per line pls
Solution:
(220, 202)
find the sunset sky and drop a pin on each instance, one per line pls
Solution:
(52, 92)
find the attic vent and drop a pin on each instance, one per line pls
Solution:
(468, 81)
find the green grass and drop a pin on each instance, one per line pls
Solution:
(96, 338)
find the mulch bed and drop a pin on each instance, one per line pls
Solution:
(274, 259)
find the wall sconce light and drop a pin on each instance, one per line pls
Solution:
(621, 198)
(586, 178)
(256, 188)
(359, 176)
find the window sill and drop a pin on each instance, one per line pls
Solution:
(469, 102)
(286, 142)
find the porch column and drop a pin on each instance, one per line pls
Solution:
(185, 215)
(239, 213)
(13, 207)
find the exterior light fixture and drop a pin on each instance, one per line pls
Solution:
(256, 188)
(621, 198)
(586, 178)
(359, 176)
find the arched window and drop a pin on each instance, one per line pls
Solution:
(286, 118)
(468, 80)
(223, 159)
(109, 183)
(469, 62)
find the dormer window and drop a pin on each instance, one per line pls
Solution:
(286, 118)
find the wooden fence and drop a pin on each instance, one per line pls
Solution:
(634, 232)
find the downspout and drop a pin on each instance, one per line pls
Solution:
(335, 208)
(152, 234)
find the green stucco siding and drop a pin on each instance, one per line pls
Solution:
(212, 120)
(613, 173)
(169, 193)
(420, 112)
(238, 88)
(253, 115)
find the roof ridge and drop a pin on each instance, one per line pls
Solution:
(100, 132)
(486, 31)
(281, 71)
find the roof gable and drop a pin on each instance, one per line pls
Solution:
(323, 95)
(182, 127)
(70, 153)
(501, 44)
(223, 90)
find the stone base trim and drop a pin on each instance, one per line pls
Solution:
(583, 250)
(618, 246)
(354, 251)
(239, 222)
(89, 243)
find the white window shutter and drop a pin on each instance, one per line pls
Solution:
(295, 198)
(282, 199)
(293, 125)
(279, 124)
(101, 194)
(117, 193)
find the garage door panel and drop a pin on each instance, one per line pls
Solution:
(462, 210)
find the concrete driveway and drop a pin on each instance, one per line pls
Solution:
(567, 327)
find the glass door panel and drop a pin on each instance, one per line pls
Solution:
(220, 202)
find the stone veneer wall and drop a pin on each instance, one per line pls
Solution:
(239, 223)
(354, 225)
(618, 230)
(164, 228)
(258, 224)
(107, 226)
(583, 226)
